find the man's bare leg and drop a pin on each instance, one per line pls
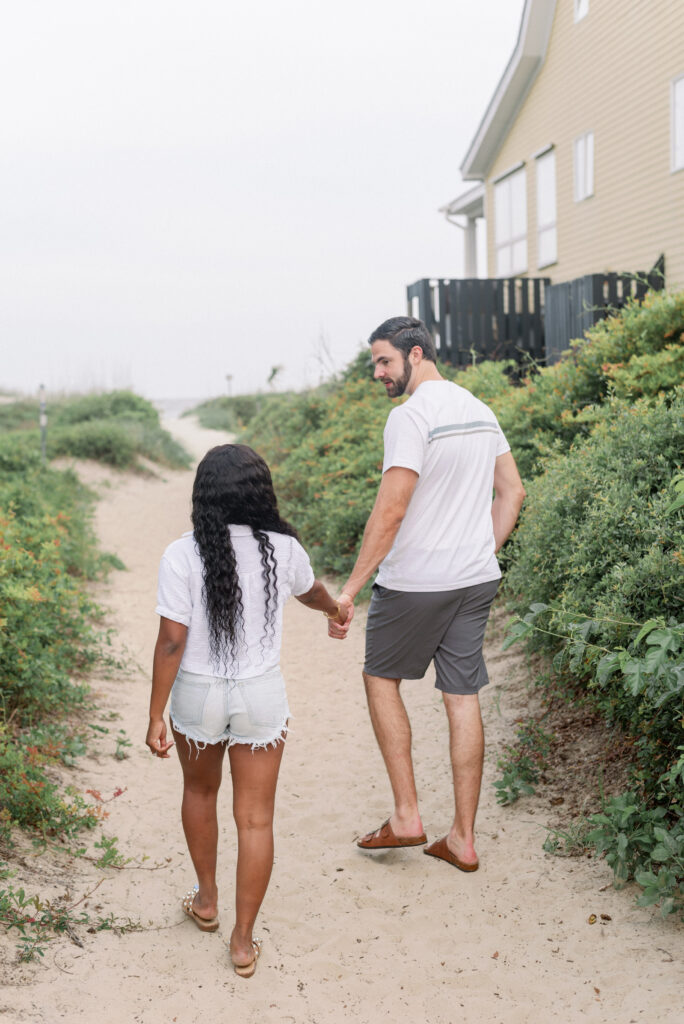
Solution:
(393, 733)
(466, 741)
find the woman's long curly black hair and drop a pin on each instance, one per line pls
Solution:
(233, 485)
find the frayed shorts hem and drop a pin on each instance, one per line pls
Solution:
(202, 742)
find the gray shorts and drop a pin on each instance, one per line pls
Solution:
(212, 709)
(406, 630)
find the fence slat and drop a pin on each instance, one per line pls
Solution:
(500, 318)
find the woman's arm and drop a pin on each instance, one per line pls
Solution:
(319, 599)
(168, 652)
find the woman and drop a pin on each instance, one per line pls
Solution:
(221, 595)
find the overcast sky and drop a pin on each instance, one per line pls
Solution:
(190, 190)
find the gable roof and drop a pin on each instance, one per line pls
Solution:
(515, 83)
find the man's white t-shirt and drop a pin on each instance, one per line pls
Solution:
(179, 597)
(446, 539)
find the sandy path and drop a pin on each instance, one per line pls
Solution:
(348, 936)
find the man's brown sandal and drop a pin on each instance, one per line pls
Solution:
(384, 839)
(440, 849)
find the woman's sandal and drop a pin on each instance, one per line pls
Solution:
(247, 970)
(205, 924)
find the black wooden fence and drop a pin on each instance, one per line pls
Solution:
(520, 317)
(482, 318)
(574, 306)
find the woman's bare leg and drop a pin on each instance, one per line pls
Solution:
(201, 782)
(255, 776)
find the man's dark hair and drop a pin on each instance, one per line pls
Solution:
(404, 333)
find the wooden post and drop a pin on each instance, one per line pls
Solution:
(42, 420)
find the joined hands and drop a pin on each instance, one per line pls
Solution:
(339, 626)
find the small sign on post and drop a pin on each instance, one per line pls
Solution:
(42, 420)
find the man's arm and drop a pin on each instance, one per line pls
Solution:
(396, 488)
(509, 495)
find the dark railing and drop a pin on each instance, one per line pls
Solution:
(574, 306)
(520, 318)
(482, 318)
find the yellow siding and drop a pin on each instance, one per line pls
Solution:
(611, 74)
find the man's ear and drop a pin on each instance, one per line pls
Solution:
(416, 355)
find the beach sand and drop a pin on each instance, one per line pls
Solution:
(347, 935)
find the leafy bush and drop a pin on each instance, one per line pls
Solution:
(46, 622)
(104, 406)
(49, 633)
(620, 354)
(117, 442)
(114, 427)
(235, 412)
(596, 538)
(324, 448)
(522, 763)
(30, 799)
(21, 414)
(638, 844)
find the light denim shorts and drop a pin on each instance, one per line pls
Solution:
(212, 709)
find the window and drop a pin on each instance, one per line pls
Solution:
(584, 166)
(678, 124)
(510, 224)
(547, 251)
(581, 9)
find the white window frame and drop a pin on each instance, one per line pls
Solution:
(512, 241)
(581, 9)
(583, 166)
(677, 123)
(547, 225)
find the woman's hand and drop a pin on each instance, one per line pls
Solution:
(156, 738)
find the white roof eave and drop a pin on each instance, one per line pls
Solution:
(468, 204)
(516, 82)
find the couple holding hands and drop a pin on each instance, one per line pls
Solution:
(433, 532)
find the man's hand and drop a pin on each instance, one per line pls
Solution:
(339, 627)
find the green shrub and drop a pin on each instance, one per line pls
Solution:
(46, 631)
(235, 412)
(325, 452)
(19, 452)
(522, 763)
(115, 428)
(21, 414)
(638, 844)
(108, 441)
(30, 799)
(546, 412)
(596, 538)
(103, 406)
(117, 442)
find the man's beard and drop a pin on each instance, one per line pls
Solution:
(398, 388)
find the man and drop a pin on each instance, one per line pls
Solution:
(434, 532)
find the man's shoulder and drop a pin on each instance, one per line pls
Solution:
(435, 396)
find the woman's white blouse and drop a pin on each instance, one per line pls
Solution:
(179, 597)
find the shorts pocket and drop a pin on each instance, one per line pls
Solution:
(266, 701)
(187, 702)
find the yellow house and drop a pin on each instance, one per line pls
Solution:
(579, 157)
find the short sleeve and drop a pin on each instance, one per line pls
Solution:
(174, 600)
(302, 576)
(502, 445)
(405, 439)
